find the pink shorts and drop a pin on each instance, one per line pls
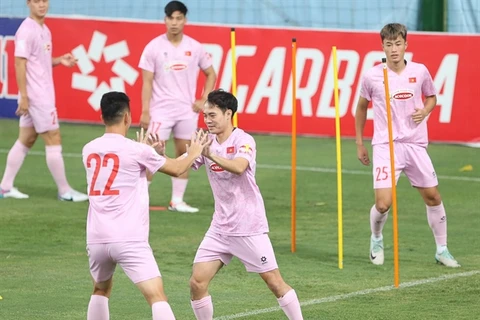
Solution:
(182, 129)
(42, 119)
(135, 258)
(255, 252)
(411, 159)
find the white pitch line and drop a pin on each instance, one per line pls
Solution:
(353, 294)
(282, 167)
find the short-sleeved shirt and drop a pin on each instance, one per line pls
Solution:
(34, 43)
(239, 206)
(407, 91)
(175, 76)
(117, 188)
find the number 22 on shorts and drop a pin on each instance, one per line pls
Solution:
(381, 173)
(102, 163)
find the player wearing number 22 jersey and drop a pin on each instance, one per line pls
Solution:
(412, 97)
(118, 215)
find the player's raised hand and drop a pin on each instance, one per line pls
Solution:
(419, 115)
(22, 107)
(198, 142)
(68, 60)
(155, 142)
(362, 154)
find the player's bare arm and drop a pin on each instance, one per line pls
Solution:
(428, 105)
(360, 119)
(207, 88)
(147, 86)
(68, 60)
(21, 75)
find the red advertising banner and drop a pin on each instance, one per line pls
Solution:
(109, 52)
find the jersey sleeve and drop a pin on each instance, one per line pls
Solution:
(150, 159)
(246, 148)
(428, 87)
(23, 43)
(205, 58)
(147, 59)
(365, 88)
(198, 163)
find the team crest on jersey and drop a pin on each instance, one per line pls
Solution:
(403, 94)
(216, 168)
(245, 149)
(230, 150)
(175, 66)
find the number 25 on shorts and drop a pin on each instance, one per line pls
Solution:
(99, 163)
(381, 173)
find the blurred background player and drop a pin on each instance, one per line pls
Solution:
(239, 227)
(407, 83)
(118, 216)
(36, 105)
(170, 65)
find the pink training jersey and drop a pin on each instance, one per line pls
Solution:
(34, 43)
(406, 93)
(175, 76)
(117, 188)
(239, 207)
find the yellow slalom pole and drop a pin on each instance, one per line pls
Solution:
(234, 71)
(396, 264)
(339, 159)
(294, 148)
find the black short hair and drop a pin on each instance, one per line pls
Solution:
(114, 105)
(173, 6)
(224, 100)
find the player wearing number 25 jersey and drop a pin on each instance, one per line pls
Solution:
(118, 215)
(412, 97)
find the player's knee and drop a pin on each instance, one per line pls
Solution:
(382, 206)
(105, 292)
(433, 199)
(197, 285)
(52, 138)
(275, 283)
(155, 296)
(29, 141)
(28, 138)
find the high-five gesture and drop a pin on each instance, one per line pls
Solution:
(198, 142)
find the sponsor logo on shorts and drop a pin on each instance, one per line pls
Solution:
(404, 94)
(216, 168)
(264, 260)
